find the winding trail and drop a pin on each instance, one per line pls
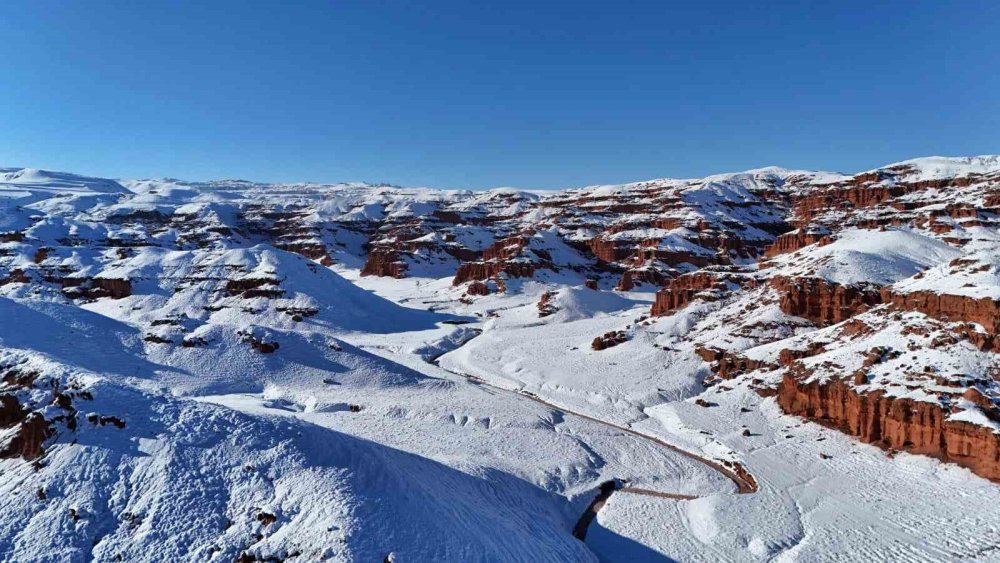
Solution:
(735, 472)
(745, 483)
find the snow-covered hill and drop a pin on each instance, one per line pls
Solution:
(230, 370)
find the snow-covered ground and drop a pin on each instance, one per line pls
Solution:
(430, 466)
(241, 400)
(822, 497)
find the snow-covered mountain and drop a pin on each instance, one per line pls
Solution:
(767, 365)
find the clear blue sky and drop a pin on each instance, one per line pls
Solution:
(480, 94)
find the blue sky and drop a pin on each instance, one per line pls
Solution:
(482, 94)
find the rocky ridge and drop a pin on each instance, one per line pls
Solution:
(899, 265)
(785, 257)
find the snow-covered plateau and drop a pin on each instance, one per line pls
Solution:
(772, 365)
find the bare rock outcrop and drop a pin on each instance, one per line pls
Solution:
(608, 340)
(255, 287)
(790, 242)
(954, 308)
(680, 291)
(469, 271)
(545, 305)
(727, 365)
(893, 423)
(477, 288)
(824, 302)
(385, 263)
(27, 441)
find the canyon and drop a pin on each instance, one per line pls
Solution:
(772, 332)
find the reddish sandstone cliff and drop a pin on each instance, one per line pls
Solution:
(382, 262)
(609, 251)
(728, 365)
(894, 423)
(684, 289)
(983, 311)
(823, 302)
(790, 242)
(469, 271)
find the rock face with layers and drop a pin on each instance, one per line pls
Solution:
(479, 271)
(384, 263)
(896, 273)
(795, 240)
(895, 423)
(706, 285)
(823, 302)
(965, 290)
(983, 311)
(728, 365)
(790, 252)
(915, 394)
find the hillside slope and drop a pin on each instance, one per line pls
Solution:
(233, 370)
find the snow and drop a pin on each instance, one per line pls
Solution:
(856, 503)
(329, 489)
(399, 417)
(975, 275)
(859, 256)
(19, 180)
(937, 167)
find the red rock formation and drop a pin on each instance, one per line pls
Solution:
(728, 365)
(384, 263)
(113, 288)
(625, 283)
(893, 423)
(314, 250)
(477, 288)
(27, 442)
(609, 251)
(954, 308)
(608, 340)
(823, 302)
(682, 290)
(859, 193)
(469, 271)
(639, 276)
(545, 305)
(790, 242)
(815, 203)
(32, 430)
(786, 356)
(501, 285)
(506, 249)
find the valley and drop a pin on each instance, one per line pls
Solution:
(773, 365)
